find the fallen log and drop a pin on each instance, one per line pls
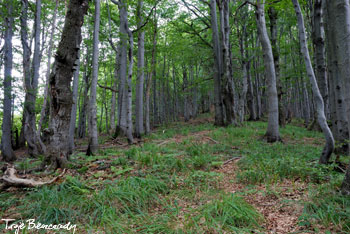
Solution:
(10, 179)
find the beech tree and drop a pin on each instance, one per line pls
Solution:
(60, 79)
(93, 138)
(272, 134)
(6, 147)
(329, 147)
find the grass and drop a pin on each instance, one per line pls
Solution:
(173, 184)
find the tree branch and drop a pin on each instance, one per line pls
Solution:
(105, 87)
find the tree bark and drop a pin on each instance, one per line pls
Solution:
(219, 114)
(149, 80)
(46, 91)
(6, 146)
(272, 134)
(273, 15)
(60, 79)
(336, 89)
(73, 116)
(122, 91)
(329, 147)
(341, 23)
(31, 90)
(139, 129)
(318, 41)
(93, 134)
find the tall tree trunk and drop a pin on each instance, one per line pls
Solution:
(139, 129)
(339, 11)
(149, 80)
(73, 116)
(318, 41)
(6, 147)
(329, 147)
(272, 134)
(31, 90)
(336, 89)
(60, 79)
(122, 90)
(46, 91)
(114, 94)
(219, 112)
(273, 15)
(228, 88)
(129, 125)
(93, 134)
(83, 110)
(25, 62)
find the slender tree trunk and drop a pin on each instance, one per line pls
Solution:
(139, 129)
(122, 91)
(31, 90)
(25, 63)
(228, 88)
(272, 134)
(219, 112)
(318, 41)
(6, 147)
(60, 79)
(273, 15)
(83, 110)
(93, 134)
(73, 116)
(114, 94)
(46, 90)
(149, 81)
(329, 147)
(129, 125)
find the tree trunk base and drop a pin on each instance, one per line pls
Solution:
(272, 139)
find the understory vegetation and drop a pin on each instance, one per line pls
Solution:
(181, 180)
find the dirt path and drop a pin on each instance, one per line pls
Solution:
(281, 209)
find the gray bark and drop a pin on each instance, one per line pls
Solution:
(6, 147)
(322, 121)
(73, 116)
(60, 79)
(31, 90)
(149, 81)
(122, 89)
(93, 134)
(273, 15)
(336, 89)
(341, 24)
(219, 114)
(228, 88)
(47, 76)
(25, 62)
(320, 58)
(272, 134)
(139, 129)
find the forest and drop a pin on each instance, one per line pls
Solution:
(175, 116)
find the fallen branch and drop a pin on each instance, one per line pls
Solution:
(230, 160)
(211, 139)
(10, 179)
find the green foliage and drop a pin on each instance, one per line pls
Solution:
(229, 213)
(327, 207)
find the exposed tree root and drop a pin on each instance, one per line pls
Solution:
(10, 179)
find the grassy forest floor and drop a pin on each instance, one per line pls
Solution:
(192, 178)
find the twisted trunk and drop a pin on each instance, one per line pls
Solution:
(272, 134)
(329, 147)
(60, 79)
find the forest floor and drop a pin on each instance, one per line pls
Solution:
(190, 178)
